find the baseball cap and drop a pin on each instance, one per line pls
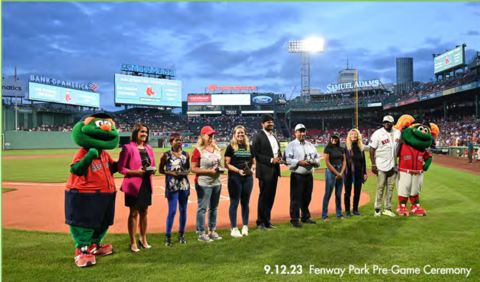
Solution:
(388, 118)
(300, 127)
(335, 134)
(207, 130)
(100, 115)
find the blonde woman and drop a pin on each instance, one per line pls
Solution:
(355, 172)
(240, 162)
(206, 164)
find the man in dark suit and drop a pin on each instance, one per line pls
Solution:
(269, 157)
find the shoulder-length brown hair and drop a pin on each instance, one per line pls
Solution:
(136, 129)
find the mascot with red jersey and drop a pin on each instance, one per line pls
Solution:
(414, 160)
(90, 192)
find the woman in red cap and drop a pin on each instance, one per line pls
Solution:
(206, 164)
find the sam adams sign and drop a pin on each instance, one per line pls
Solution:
(350, 85)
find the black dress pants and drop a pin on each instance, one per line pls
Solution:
(301, 188)
(356, 191)
(268, 189)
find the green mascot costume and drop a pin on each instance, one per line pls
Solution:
(414, 160)
(90, 193)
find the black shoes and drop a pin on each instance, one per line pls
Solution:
(181, 239)
(357, 213)
(261, 227)
(270, 226)
(296, 224)
(348, 214)
(143, 246)
(168, 242)
(309, 221)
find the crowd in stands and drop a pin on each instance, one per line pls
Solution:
(436, 86)
(48, 127)
(224, 125)
(456, 130)
(160, 122)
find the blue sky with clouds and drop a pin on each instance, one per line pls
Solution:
(230, 43)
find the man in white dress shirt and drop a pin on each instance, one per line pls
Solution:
(302, 159)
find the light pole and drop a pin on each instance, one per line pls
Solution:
(306, 48)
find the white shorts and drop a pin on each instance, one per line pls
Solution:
(409, 184)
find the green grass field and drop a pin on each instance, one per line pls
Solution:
(57, 170)
(447, 238)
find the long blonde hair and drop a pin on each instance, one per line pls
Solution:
(201, 144)
(359, 140)
(234, 141)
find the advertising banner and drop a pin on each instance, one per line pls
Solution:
(410, 101)
(138, 90)
(450, 91)
(265, 99)
(374, 105)
(54, 94)
(467, 87)
(231, 99)
(13, 88)
(194, 100)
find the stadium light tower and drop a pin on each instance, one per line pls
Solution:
(306, 48)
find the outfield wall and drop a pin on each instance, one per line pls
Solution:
(29, 140)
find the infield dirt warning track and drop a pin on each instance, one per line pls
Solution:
(40, 206)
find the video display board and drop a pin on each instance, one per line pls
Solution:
(137, 90)
(449, 60)
(61, 95)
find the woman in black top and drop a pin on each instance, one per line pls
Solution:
(240, 162)
(355, 172)
(335, 159)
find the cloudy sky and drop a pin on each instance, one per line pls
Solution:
(230, 43)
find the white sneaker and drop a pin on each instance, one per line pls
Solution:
(245, 230)
(214, 235)
(235, 233)
(388, 212)
(377, 214)
(204, 238)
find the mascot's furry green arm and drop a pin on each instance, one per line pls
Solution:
(80, 168)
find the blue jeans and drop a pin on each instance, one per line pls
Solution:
(208, 197)
(330, 184)
(239, 189)
(182, 198)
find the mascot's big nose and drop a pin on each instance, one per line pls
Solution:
(106, 127)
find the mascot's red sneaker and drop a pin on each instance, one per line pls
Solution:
(402, 210)
(418, 210)
(101, 250)
(83, 258)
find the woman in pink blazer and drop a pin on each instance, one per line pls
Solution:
(137, 163)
